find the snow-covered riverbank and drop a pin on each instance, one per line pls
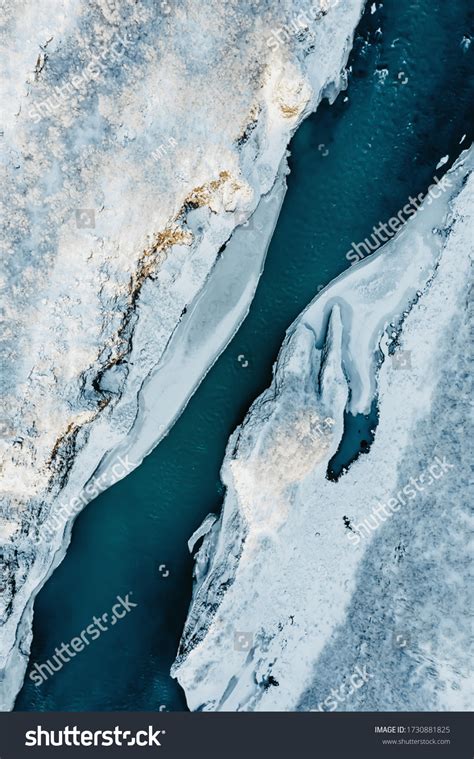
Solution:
(136, 142)
(297, 584)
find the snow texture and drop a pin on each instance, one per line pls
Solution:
(293, 590)
(137, 138)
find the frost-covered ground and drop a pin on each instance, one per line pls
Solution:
(304, 581)
(136, 138)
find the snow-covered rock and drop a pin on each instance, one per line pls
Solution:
(304, 578)
(137, 137)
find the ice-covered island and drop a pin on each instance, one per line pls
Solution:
(349, 592)
(138, 140)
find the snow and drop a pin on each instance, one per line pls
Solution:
(106, 246)
(442, 161)
(203, 332)
(287, 563)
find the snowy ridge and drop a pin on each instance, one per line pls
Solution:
(291, 593)
(137, 139)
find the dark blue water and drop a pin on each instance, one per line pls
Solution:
(379, 146)
(358, 436)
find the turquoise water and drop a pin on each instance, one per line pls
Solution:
(378, 147)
